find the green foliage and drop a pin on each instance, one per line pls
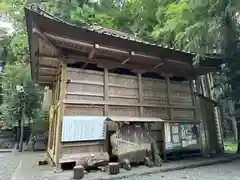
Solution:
(16, 70)
(202, 26)
(131, 16)
(13, 75)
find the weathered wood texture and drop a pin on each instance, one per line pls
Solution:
(47, 99)
(211, 138)
(102, 93)
(124, 95)
(86, 89)
(131, 142)
(55, 116)
(78, 172)
(60, 113)
(74, 151)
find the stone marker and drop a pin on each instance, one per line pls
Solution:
(78, 172)
(113, 168)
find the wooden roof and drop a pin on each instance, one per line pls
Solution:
(52, 41)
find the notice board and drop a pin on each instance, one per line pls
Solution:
(83, 128)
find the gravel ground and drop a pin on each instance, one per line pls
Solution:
(228, 171)
(23, 167)
(8, 165)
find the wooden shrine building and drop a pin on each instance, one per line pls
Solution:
(97, 73)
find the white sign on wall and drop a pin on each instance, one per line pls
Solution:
(83, 128)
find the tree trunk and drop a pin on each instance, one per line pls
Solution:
(238, 140)
(18, 133)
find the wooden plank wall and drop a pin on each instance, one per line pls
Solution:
(86, 89)
(85, 86)
(123, 90)
(88, 95)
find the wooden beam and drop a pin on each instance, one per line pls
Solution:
(110, 64)
(44, 83)
(47, 66)
(47, 70)
(158, 65)
(47, 75)
(101, 48)
(44, 38)
(47, 78)
(60, 40)
(115, 103)
(92, 53)
(132, 53)
(178, 62)
(48, 61)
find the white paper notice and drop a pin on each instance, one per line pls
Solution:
(83, 128)
(184, 143)
(175, 129)
(176, 138)
(169, 145)
(167, 132)
(194, 141)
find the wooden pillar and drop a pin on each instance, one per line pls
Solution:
(50, 128)
(217, 114)
(169, 96)
(204, 134)
(61, 106)
(140, 92)
(56, 91)
(194, 100)
(106, 106)
(105, 91)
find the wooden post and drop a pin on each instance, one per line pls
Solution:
(194, 103)
(200, 87)
(105, 105)
(50, 127)
(217, 114)
(105, 91)
(169, 96)
(78, 172)
(63, 82)
(114, 168)
(57, 88)
(140, 93)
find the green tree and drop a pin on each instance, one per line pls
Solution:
(16, 69)
(132, 16)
